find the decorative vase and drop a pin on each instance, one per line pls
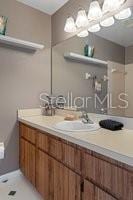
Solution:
(3, 23)
(88, 51)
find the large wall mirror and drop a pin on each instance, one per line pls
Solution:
(102, 83)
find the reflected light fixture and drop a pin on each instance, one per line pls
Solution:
(97, 15)
(82, 20)
(107, 22)
(83, 33)
(111, 5)
(95, 11)
(124, 14)
(70, 26)
(94, 28)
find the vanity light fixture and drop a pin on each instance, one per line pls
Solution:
(94, 28)
(95, 11)
(70, 26)
(107, 22)
(124, 14)
(95, 19)
(112, 5)
(82, 20)
(84, 33)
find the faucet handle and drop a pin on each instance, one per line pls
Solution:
(85, 118)
(60, 102)
(84, 114)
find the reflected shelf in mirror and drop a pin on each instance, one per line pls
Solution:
(85, 59)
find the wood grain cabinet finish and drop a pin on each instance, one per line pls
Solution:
(43, 174)
(64, 171)
(54, 181)
(64, 183)
(114, 179)
(63, 152)
(42, 141)
(91, 192)
(27, 133)
(69, 155)
(101, 195)
(27, 160)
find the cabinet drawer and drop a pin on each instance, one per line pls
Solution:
(117, 181)
(55, 148)
(42, 141)
(69, 155)
(28, 133)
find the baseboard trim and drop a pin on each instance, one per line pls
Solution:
(10, 175)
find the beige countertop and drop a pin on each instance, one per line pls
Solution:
(117, 145)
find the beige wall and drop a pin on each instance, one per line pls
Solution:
(129, 89)
(23, 75)
(129, 55)
(116, 86)
(129, 79)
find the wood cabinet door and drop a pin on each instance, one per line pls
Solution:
(65, 153)
(91, 192)
(22, 155)
(27, 160)
(64, 183)
(42, 174)
(116, 180)
(101, 195)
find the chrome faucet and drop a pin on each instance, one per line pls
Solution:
(50, 104)
(86, 119)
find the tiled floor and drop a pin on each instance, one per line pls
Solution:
(17, 182)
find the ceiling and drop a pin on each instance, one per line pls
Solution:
(46, 6)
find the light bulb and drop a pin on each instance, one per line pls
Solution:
(111, 5)
(70, 26)
(94, 28)
(82, 19)
(108, 22)
(124, 14)
(83, 33)
(95, 11)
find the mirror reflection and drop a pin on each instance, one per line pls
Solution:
(95, 72)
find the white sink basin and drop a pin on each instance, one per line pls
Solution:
(76, 126)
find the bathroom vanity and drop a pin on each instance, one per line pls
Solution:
(62, 168)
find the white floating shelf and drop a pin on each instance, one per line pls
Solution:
(85, 59)
(20, 43)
